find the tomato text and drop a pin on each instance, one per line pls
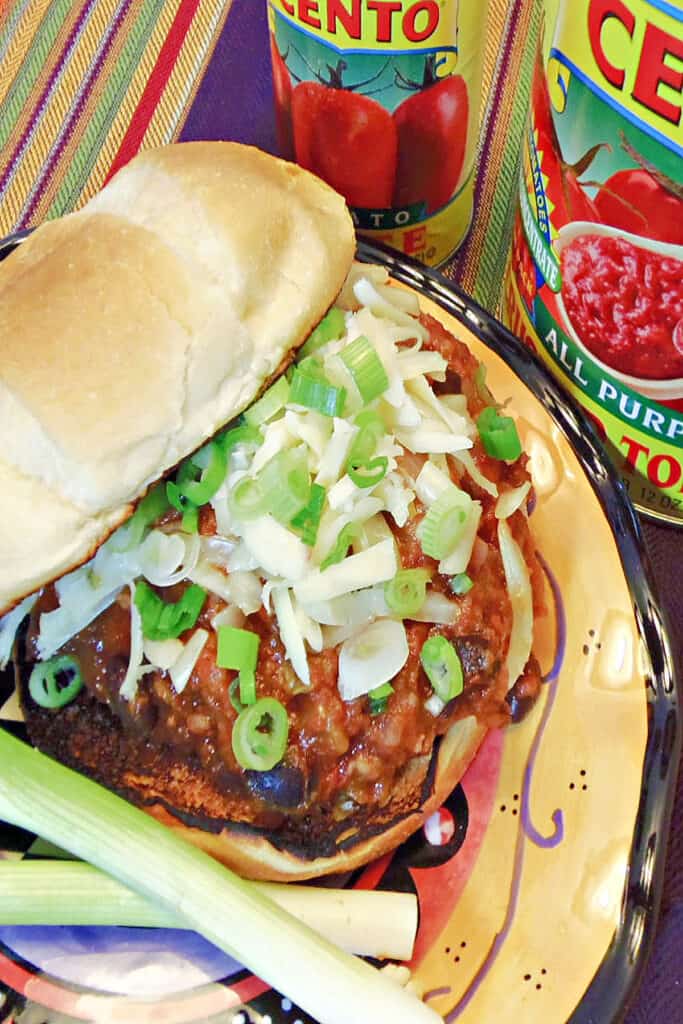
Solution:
(385, 18)
(661, 469)
(653, 69)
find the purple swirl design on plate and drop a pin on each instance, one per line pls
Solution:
(550, 679)
(500, 938)
(526, 829)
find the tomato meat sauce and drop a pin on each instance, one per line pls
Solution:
(626, 304)
(339, 753)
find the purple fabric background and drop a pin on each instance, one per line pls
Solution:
(234, 102)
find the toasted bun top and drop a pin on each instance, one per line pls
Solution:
(135, 328)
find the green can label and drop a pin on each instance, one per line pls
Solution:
(595, 281)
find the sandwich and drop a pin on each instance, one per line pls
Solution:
(267, 565)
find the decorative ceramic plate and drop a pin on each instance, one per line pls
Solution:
(538, 881)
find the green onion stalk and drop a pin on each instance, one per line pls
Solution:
(65, 892)
(73, 812)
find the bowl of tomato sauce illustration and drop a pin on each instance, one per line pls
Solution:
(622, 302)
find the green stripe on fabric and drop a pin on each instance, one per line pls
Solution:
(489, 280)
(118, 82)
(31, 67)
(6, 36)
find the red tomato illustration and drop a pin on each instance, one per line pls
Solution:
(282, 89)
(635, 201)
(569, 199)
(432, 140)
(540, 99)
(578, 204)
(347, 139)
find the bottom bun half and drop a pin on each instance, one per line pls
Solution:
(86, 736)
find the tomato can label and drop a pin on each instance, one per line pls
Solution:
(595, 279)
(381, 99)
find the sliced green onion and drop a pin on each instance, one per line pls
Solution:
(461, 584)
(313, 367)
(331, 327)
(245, 433)
(247, 499)
(405, 594)
(259, 735)
(201, 490)
(72, 811)
(237, 649)
(366, 368)
(380, 692)
(371, 428)
(268, 404)
(499, 435)
(176, 498)
(367, 473)
(379, 698)
(310, 388)
(481, 385)
(247, 681)
(152, 506)
(233, 694)
(347, 535)
(444, 522)
(286, 483)
(308, 519)
(440, 661)
(190, 521)
(180, 501)
(46, 687)
(361, 468)
(165, 621)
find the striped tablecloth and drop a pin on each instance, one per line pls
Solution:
(84, 84)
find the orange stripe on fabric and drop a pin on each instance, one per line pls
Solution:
(25, 160)
(94, 98)
(59, 109)
(18, 47)
(495, 28)
(181, 89)
(47, 69)
(503, 115)
(498, 124)
(130, 101)
(155, 85)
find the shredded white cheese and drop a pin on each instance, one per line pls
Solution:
(375, 565)
(290, 633)
(9, 626)
(371, 657)
(519, 590)
(129, 685)
(183, 668)
(261, 562)
(510, 501)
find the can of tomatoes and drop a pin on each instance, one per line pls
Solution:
(595, 280)
(381, 99)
